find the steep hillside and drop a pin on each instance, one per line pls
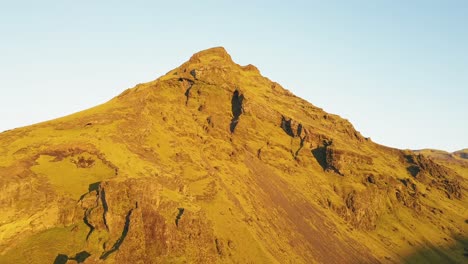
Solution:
(214, 163)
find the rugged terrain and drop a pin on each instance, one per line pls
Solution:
(214, 163)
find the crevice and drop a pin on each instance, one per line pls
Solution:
(179, 216)
(121, 239)
(82, 197)
(194, 74)
(299, 130)
(189, 88)
(301, 145)
(335, 170)
(105, 207)
(86, 215)
(286, 126)
(187, 94)
(87, 223)
(218, 247)
(237, 109)
(209, 120)
(92, 187)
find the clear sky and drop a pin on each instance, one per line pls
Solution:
(398, 70)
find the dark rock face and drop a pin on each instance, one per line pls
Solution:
(237, 109)
(179, 216)
(287, 127)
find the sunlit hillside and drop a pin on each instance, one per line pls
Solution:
(214, 163)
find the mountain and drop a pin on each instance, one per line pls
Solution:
(214, 163)
(462, 153)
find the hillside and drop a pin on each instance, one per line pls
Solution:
(214, 163)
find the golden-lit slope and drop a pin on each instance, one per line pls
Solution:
(213, 163)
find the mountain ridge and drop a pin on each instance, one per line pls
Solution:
(213, 162)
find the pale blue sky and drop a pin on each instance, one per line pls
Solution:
(398, 70)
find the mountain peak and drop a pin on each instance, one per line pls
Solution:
(212, 54)
(213, 65)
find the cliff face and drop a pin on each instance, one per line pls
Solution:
(213, 162)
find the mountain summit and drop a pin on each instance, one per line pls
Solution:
(213, 54)
(214, 163)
